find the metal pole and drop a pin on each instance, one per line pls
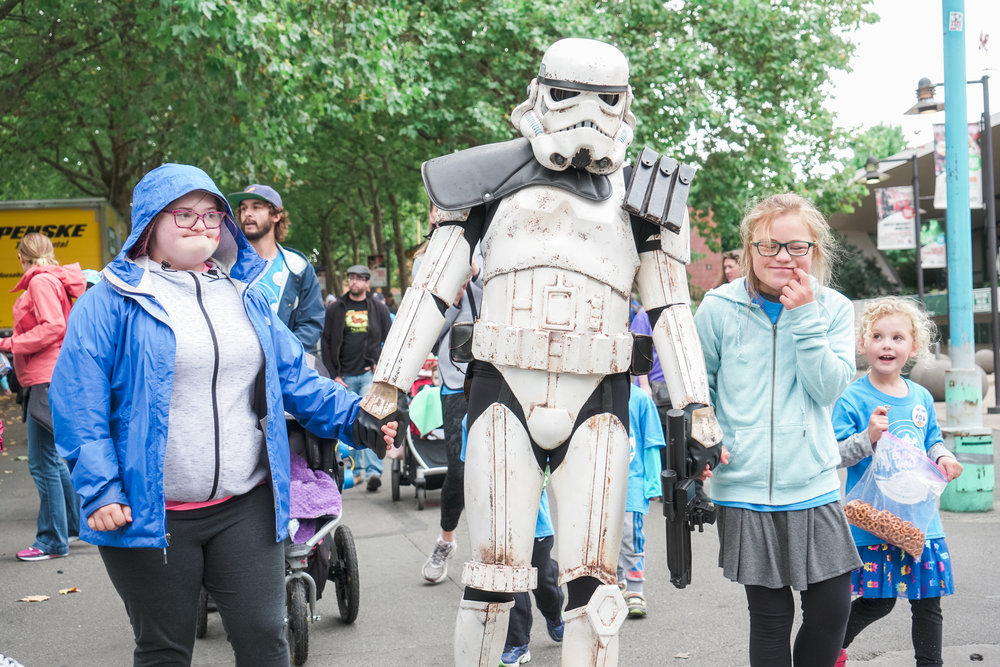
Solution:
(991, 239)
(916, 227)
(963, 392)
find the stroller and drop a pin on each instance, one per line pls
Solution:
(424, 459)
(316, 560)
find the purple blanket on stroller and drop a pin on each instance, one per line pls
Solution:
(313, 494)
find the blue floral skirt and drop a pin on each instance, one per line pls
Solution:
(889, 572)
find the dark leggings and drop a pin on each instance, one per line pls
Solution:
(548, 595)
(826, 606)
(453, 487)
(230, 549)
(925, 629)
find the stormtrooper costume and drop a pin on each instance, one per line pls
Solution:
(551, 349)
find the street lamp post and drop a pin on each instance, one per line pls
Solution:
(927, 104)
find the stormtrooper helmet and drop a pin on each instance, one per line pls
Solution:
(577, 112)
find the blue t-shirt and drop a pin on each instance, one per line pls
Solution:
(645, 442)
(272, 282)
(911, 419)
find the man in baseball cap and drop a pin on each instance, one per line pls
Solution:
(289, 282)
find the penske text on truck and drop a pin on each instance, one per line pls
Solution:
(87, 231)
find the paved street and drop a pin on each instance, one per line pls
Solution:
(405, 622)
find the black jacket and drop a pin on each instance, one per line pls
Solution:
(379, 322)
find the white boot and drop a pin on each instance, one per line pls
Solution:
(591, 635)
(480, 632)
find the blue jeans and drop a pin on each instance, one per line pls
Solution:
(366, 458)
(59, 510)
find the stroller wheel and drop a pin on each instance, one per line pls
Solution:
(202, 625)
(421, 496)
(298, 621)
(344, 573)
(395, 479)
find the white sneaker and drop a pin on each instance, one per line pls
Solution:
(435, 570)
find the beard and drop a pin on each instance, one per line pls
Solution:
(263, 229)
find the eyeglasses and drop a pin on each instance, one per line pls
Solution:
(186, 218)
(772, 248)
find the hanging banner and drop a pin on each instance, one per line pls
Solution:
(975, 169)
(933, 251)
(895, 211)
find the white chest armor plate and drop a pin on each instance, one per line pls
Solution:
(558, 274)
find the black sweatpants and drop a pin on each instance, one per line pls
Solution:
(925, 630)
(229, 548)
(548, 595)
(453, 488)
(826, 606)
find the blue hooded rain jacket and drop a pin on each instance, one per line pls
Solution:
(111, 388)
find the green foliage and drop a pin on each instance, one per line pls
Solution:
(880, 141)
(336, 104)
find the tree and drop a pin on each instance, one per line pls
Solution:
(337, 104)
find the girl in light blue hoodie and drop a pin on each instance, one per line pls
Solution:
(779, 350)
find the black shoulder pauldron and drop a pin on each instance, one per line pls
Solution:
(484, 174)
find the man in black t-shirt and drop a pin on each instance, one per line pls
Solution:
(355, 328)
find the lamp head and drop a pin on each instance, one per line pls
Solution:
(925, 99)
(872, 175)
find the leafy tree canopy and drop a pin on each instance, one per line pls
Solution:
(336, 104)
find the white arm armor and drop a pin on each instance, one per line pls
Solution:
(418, 323)
(663, 284)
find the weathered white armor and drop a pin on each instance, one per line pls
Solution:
(558, 270)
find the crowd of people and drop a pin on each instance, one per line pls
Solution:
(196, 336)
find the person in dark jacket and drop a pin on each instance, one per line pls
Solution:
(169, 401)
(355, 328)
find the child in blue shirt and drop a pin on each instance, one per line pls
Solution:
(891, 332)
(645, 442)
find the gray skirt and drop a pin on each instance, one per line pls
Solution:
(778, 549)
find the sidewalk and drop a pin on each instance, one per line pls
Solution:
(405, 622)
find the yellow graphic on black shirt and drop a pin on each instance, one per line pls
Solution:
(357, 321)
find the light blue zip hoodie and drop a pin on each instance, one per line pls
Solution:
(773, 388)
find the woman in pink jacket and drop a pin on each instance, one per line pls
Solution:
(39, 326)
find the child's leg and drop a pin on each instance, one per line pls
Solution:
(772, 611)
(826, 607)
(632, 557)
(926, 631)
(519, 626)
(864, 612)
(548, 596)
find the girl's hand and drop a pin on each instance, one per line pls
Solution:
(798, 291)
(723, 460)
(110, 517)
(389, 433)
(951, 468)
(878, 423)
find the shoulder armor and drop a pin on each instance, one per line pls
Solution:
(484, 174)
(658, 189)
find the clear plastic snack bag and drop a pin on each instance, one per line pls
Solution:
(897, 496)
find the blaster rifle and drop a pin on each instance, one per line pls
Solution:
(683, 506)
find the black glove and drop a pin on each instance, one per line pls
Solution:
(698, 455)
(367, 430)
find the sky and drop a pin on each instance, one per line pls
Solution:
(904, 46)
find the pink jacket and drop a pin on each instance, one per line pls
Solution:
(40, 319)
